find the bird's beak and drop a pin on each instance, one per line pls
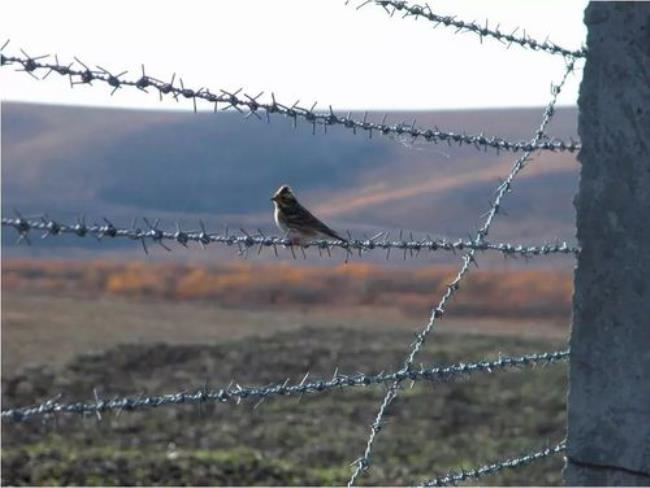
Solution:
(274, 199)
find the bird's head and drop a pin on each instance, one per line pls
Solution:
(284, 196)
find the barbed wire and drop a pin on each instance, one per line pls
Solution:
(252, 106)
(235, 393)
(363, 462)
(488, 469)
(79, 73)
(245, 240)
(482, 31)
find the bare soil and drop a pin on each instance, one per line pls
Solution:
(71, 347)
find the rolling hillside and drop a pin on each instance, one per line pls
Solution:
(222, 169)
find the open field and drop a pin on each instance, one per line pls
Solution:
(42, 329)
(127, 347)
(514, 293)
(55, 310)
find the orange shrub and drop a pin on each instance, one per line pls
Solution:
(486, 292)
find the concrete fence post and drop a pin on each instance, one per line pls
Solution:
(608, 441)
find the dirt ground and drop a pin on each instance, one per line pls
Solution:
(74, 348)
(45, 329)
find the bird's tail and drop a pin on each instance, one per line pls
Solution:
(336, 236)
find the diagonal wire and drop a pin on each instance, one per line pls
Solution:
(245, 240)
(540, 141)
(523, 40)
(253, 106)
(488, 469)
(237, 393)
(363, 463)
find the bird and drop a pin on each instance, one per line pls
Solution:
(296, 221)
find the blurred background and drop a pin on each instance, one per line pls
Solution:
(80, 315)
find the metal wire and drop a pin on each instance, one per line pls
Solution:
(245, 240)
(488, 469)
(482, 31)
(363, 462)
(80, 73)
(235, 393)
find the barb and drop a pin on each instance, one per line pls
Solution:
(488, 469)
(235, 394)
(523, 40)
(363, 463)
(252, 106)
(260, 241)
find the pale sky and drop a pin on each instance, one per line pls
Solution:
(311, 50)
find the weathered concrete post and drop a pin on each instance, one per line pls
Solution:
(608, 440)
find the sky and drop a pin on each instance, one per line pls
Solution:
(309, 50)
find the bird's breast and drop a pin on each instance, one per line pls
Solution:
(279, 219)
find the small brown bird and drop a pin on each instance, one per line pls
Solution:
(296, 221)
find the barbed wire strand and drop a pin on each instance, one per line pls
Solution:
(363, 462)
(236, 393)
(252, 105)
(244, 241)
(31, 64)
(473, 474)
(482, 31)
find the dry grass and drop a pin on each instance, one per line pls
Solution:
(50, 329)
(503, 293)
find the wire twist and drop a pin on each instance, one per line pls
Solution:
(488, 469)
(253, 106)
(235, 393)
(245, 240)
(482, 31)
(364, 462)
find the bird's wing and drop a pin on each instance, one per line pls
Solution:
(302, 219)
(323, 229)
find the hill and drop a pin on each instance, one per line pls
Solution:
(222, 169)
